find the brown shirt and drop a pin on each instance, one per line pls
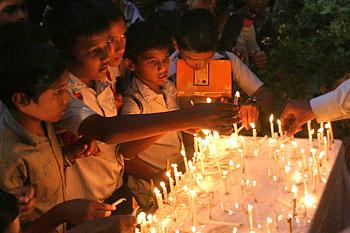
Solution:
(27, 159)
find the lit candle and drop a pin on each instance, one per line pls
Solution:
(171, 181)
(271, 126)
(280, 127)
(183, 153)
(318, 138)
(311, 132)
(250, 216)
(295, 195)
(195, 143)
(176, 173)
(208, 100)
(302, 151)
(236, 98)
(331, 131)
(165, 191)
(327, 126)
(325, 147)
(252, 125)
(158, 198)
(194, 207)
(268, 224)
(308, 126)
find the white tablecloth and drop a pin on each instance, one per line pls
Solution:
(268, 197)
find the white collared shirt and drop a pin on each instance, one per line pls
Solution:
(167, 147)
(242, 75)
(334, 105)
(96, 177)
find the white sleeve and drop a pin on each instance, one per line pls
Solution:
(252, 45)
(243, 76)
(334, 105)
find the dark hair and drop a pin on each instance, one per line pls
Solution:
(69, 20)
(197, 31)
(8, 210)
(29, 67)
(142, 37)
(22, 31)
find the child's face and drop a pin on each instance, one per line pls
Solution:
(12, 11)
(117, 33)
(51, 104)
(195, 60)
(152, 67)
(92, 55)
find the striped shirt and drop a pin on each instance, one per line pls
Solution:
(93, 178)
(167, 147)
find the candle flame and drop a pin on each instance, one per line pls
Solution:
(309, 200)
(294, 189)
(193, 229)
(208, 100)
(252, 125)
(156, 190)
(279, 122)
(237, 94)
(231, 163)
(250, 207)
(271, 118)
(269, 220)
(162, 184)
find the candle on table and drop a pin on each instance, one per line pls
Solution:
(271, 126)
(311, 133)
(195, 143)
(250, 216)
(208, 100)
(193, 207)
(327, 126)
(279, 123)
(268, 224)
(295, 195)
(303, 155)
(176, 173)
(236, 98)
(165, 191)
(252, 125)
(171, 181)
(331, 131)
(158, 198)
(183, 153)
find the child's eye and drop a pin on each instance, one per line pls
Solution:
(152, 62)
(10, 9)
(93, 52)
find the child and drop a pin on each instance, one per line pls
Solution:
(196, 40)
(147, 56)
(34, 90)
(81, 27)
(12, 11)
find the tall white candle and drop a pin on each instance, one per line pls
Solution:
(193, 207)
(250, 216)
(331, 131)
(271, 126)
(311, 133)
(176, 173)
(252, 125)
(268, 224)
(171, 181)
(195, 143)
(165, 191)
(236, 98)
(279, 123)
(183, 153)
(158, 198)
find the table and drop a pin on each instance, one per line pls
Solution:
(280, 183)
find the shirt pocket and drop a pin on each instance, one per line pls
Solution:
(46, 178)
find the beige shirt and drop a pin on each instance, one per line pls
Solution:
(28, 159)
(97, 177)
(166, 147)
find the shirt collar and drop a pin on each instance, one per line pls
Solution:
(77, 85)
(21, 132)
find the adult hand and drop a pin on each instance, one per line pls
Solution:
(260, 59)
(294, 115)
(249, 114)
(26, 200)
(209, 116)
(117, 224)
(77, 211)
(82, 148)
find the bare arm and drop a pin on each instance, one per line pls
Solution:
(134, 127)
(141, 169)
(266, 98)
(130, 149)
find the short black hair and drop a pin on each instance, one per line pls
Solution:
(28, 66)
(144, 36)
(9, 209)
(197, 31)
(69, 20)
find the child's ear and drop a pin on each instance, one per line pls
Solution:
(176, 46)
(20, 100)
(129, 64)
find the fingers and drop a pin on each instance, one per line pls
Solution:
(92, 149)
(97, 209)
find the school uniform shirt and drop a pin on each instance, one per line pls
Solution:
(242, 75)
(28, 159)
(334, 105)
(95, 177)
(166, 147)
(246, 43)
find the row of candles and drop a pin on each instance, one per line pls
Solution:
(309, 165)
